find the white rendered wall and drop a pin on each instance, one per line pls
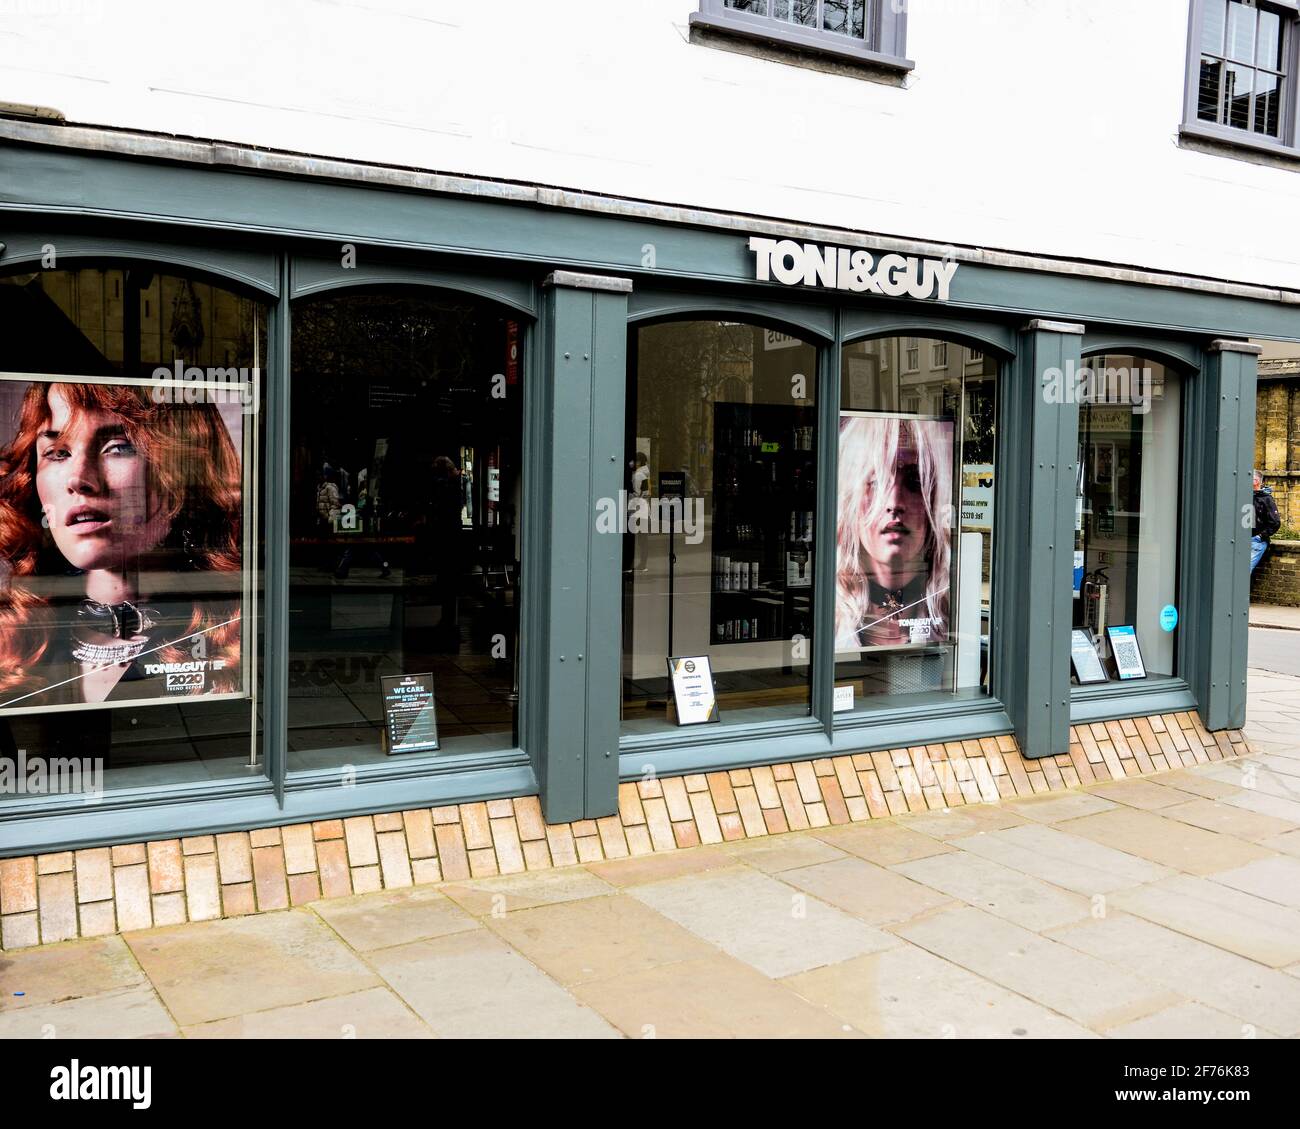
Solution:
(1046, 126)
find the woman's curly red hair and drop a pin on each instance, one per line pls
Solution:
(193, 476)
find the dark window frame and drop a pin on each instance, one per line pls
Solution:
(883, 45)
(1287, 142)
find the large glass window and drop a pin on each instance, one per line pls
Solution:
(407, 438)
(1126, 511)
(871, 30)
(914, 545)
(719, 499)
(130, 538)
(1243, 82)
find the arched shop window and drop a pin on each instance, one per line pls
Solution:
(1126, 513)
(407, 444)
(914, 545)
(130, 544)
(718, 504)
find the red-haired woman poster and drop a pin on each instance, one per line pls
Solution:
(121, 525)
(895, 531)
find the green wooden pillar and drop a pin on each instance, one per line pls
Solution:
(1218, 516)
(1034, 557)
(575, 662)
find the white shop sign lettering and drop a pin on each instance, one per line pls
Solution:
(840, 268)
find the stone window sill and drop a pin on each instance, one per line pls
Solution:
(819, 53)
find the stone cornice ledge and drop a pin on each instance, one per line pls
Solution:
(220, 154)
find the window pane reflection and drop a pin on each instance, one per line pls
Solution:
(724, 414)
(1126, 506)
(131, 560)
(917, 462)
(407, 451)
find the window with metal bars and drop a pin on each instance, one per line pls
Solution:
(1242, 71)
(872, 31)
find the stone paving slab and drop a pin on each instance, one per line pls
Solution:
(131, 1013)
(217, 969)
(1232, 920)
(786, 852)
(1061, 859)
(708, 997)
(597, 938)
(1148, 795)
(1228, 819)
(1188, 1021)
(394, 917)
(375, 1013)
(1193, 969)
(761, 921)
(884, 843)
(1265, 804)
(1166, 842)
(1087, 990)
(1274, 879)
(474, 985)
(1288, 843)
(1054, 808)
(909, 993)
(656, 868)
(999, 890)
(947, 824)
(73, 970)
(868, 892)
(496, 896)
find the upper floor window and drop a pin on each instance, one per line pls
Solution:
(1241, 80)
(870, 31)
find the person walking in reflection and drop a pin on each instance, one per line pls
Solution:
(446, 503)
(1267, 520)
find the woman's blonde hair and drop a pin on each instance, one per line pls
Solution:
(869, 465)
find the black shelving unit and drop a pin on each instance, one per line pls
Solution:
(764, 498)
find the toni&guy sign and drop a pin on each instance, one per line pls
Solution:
(840, 268)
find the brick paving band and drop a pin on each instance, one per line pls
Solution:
(103, 890)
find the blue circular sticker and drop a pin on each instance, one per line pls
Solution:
(1168, 617)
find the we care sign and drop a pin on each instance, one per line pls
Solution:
(841, 268)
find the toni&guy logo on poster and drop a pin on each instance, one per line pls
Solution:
(840, 268)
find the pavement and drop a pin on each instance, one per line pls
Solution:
(1161, 906)
(1276, 616)
(1274, 644)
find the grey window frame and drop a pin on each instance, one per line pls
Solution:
(1287, 143)
(883, 45)
(1095, 702)
(279, 275)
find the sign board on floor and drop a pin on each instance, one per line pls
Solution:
(1128, 655)
(1083, 655)
(693, 690)
(410, 718)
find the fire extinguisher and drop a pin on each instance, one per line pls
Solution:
(1096, 589)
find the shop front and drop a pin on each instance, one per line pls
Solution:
(394, 507)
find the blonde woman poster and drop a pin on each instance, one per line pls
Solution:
(895, 515)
